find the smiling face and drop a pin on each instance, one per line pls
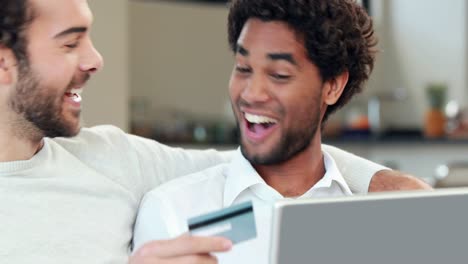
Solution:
(61, 58)
(276, 93)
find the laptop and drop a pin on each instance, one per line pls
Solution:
(415, 227)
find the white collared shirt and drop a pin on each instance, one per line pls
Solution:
(164, 211)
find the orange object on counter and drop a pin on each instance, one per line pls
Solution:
(434, 125)
(360, 123)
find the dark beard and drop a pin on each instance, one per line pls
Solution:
(294, 141)
(292, 144)
(41, 110)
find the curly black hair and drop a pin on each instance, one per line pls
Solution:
(338, 35)
(15, 16)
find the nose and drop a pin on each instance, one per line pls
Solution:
(92, 60)
(256, 90)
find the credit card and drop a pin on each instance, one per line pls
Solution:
(237, 223)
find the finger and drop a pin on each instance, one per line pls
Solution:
(192, 259)
(185, 245)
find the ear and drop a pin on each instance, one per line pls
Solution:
(334, 88)
(7, 65)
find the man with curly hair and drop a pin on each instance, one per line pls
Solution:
(71, 195)
(296, 62)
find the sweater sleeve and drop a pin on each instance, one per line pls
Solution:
(160, 163)
(137, 164)
(357, 171)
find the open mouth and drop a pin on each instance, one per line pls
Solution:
(74, 95)
(259, 126)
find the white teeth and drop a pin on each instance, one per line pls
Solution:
(76, 91)
(75, 94)
(256, 119)
(76, 97)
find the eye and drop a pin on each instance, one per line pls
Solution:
(72, 45)
(280, 77)
(243, 70)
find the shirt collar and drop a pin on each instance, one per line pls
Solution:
(240, 176)
(332, 174)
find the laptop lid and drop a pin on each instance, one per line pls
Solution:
(414, 227)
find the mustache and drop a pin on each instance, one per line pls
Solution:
(80, 80)
(241, 103)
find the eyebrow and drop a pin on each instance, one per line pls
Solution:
(282, 56)
(241, 50)
(71, 30)
(272, 56)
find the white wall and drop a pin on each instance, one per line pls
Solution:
(466, 51)
(180, 57)
(106, 97)
(423, 41)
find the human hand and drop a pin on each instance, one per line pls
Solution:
(183, 249)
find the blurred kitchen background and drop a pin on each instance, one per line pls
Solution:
(167, 66)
